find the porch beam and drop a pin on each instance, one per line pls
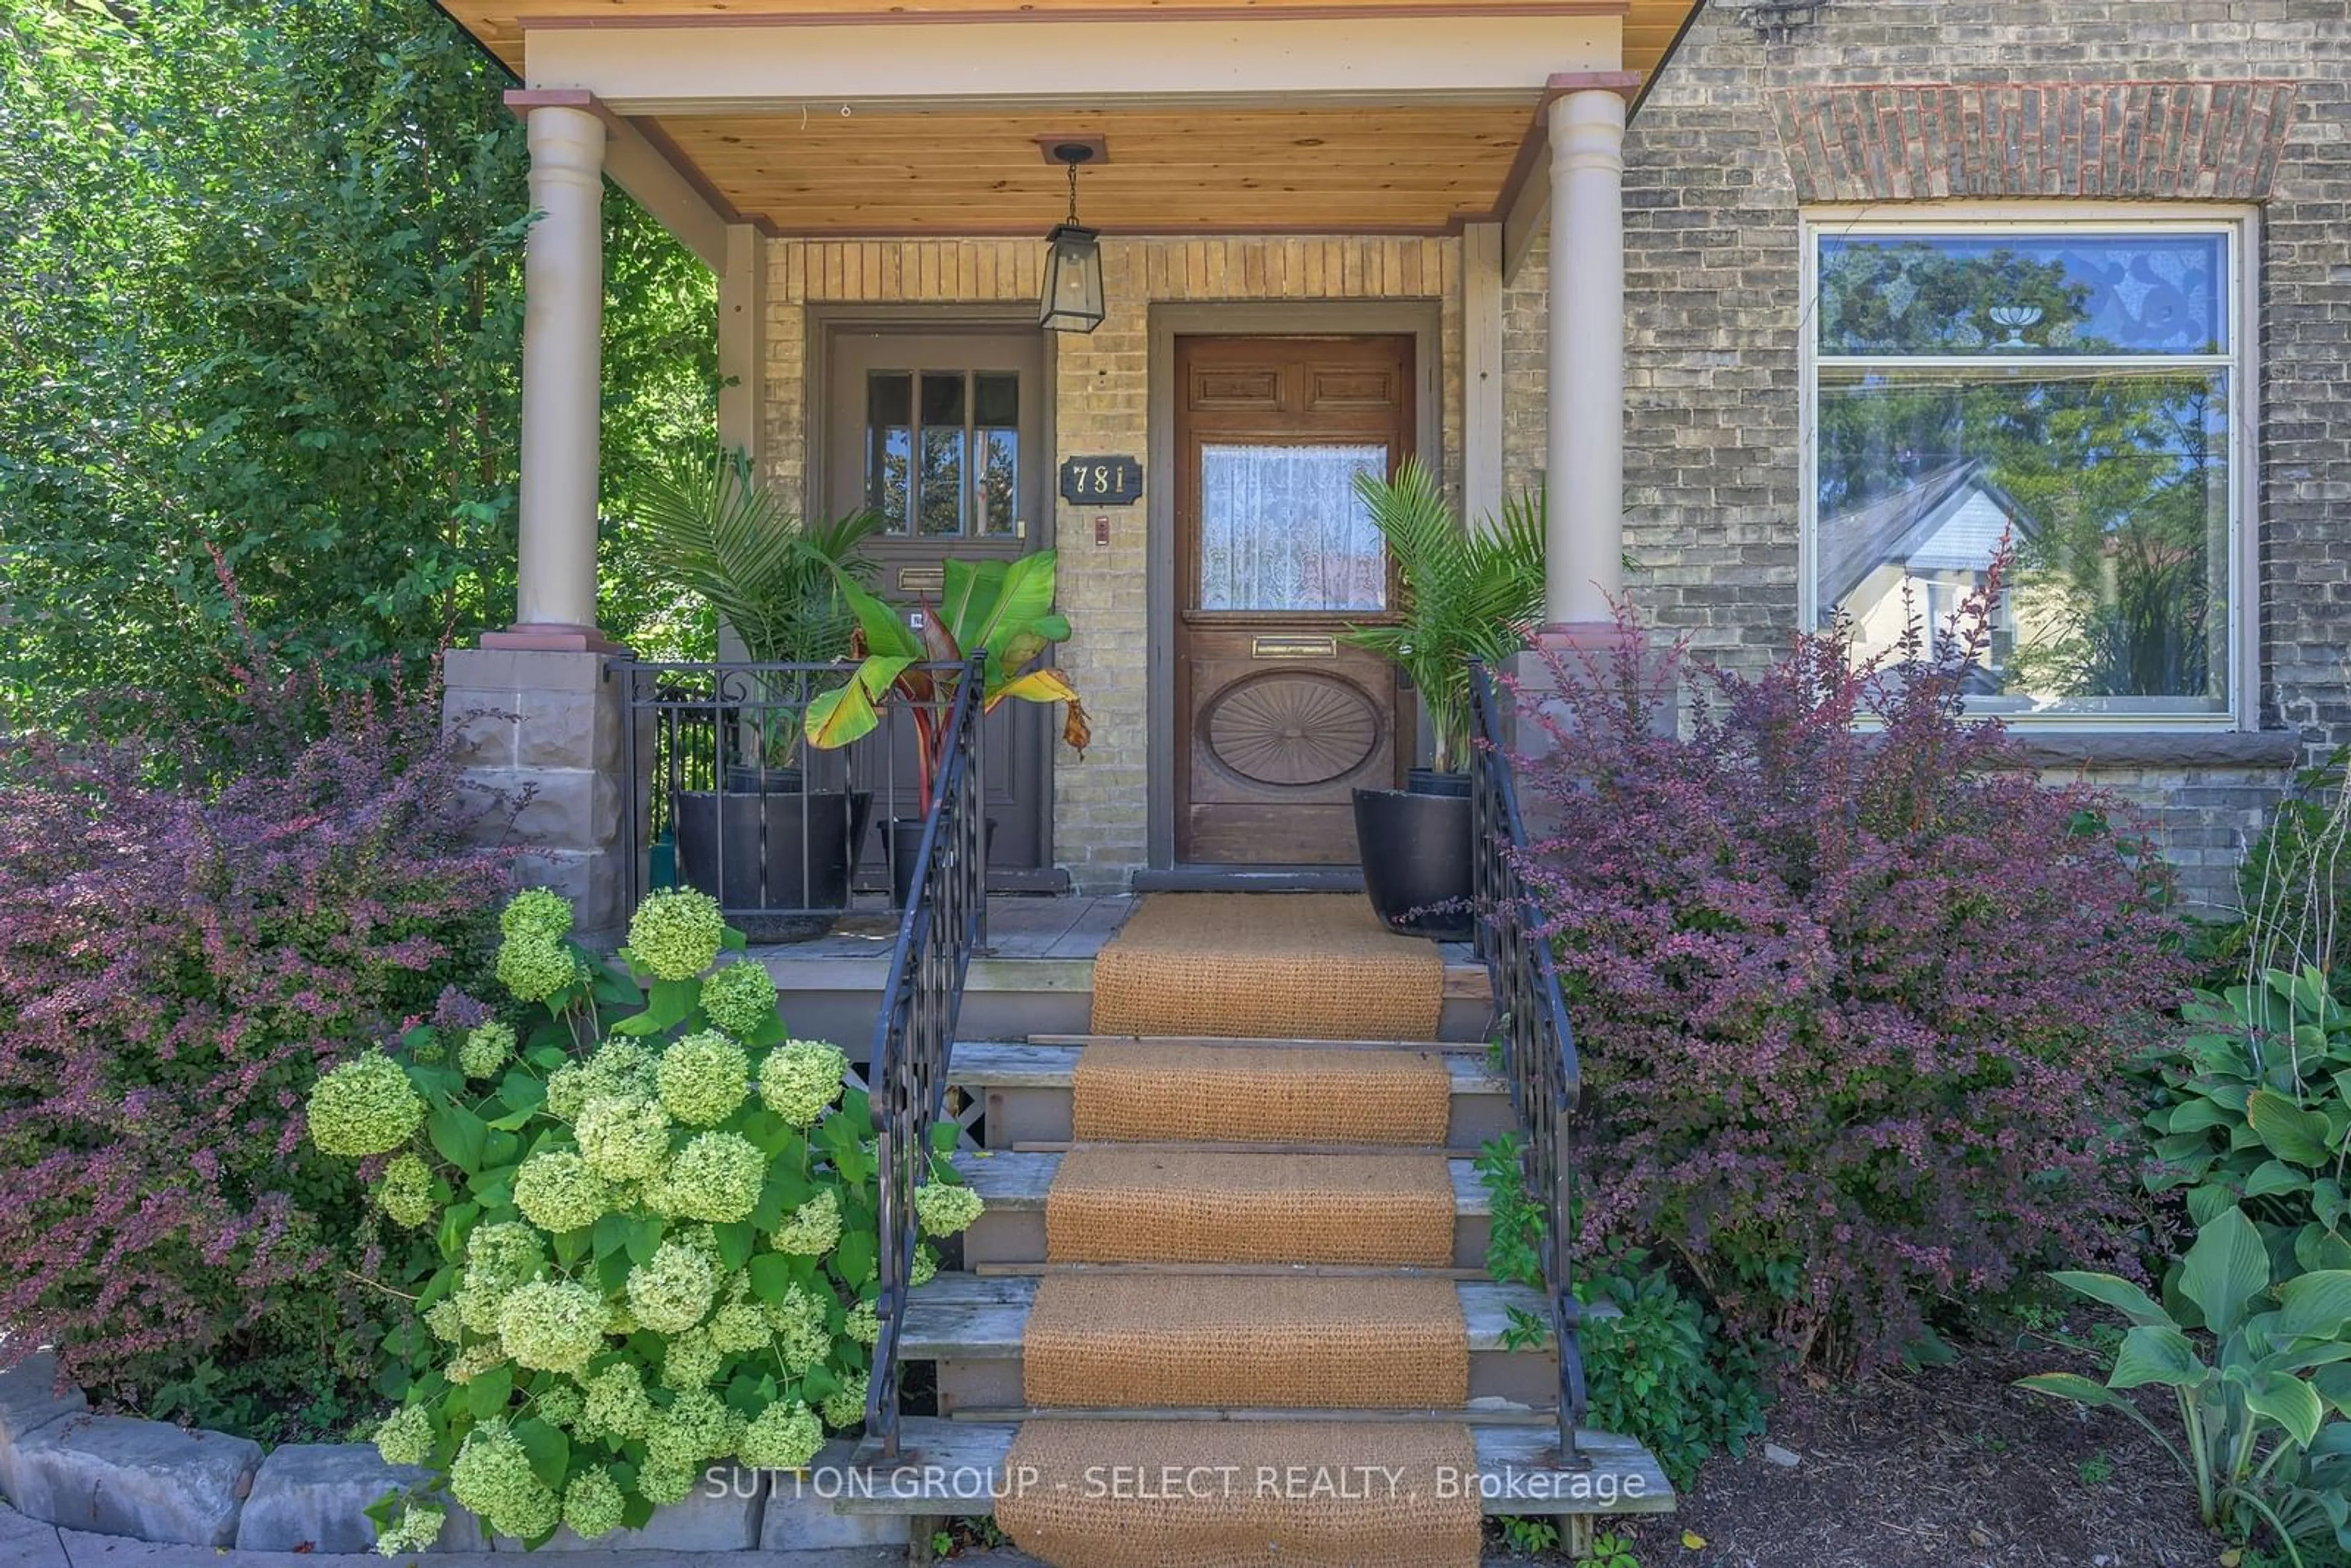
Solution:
(687, 69)
(562, 379)
(1481, 372)
(655, 179)
(1526, 201)
(1585, 533)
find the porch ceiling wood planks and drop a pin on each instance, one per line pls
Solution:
(1397, 169)
(1650, 25)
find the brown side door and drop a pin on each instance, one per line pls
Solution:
(944, 434)
(1278, 720)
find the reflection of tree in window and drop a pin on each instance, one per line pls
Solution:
(2112, 480)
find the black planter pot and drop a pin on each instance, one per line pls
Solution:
(1429, 781)
(772, 849)
(1415, 855)
(902, 845)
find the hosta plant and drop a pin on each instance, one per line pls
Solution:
(2255, 1105)
(645, 1227)
(2263, 1390)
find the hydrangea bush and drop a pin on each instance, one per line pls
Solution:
(647, 1226)
(1853, 990)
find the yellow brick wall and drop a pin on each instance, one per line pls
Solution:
(1102, 397)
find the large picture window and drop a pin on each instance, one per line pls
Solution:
(2067, 392)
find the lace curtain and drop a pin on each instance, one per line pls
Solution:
(1283, 528)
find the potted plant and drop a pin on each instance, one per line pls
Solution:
(761, 839)
(1468, 594)
(1003, 606)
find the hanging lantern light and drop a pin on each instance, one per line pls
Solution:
(1073, 268)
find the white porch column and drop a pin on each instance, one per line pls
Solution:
(1584, 561)
(562, 379)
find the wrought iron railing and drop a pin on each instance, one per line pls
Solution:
(1530, 1021)
(729, 798)
(946, 919)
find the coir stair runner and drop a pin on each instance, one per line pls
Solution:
(1361, 1490)
(1258, 966)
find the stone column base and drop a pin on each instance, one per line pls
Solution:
(540, 731)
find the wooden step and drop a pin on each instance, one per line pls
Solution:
(1014, 1184)
(972, 1326)
(951, 1467)
(1025, 1088)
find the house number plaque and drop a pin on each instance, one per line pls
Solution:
(1102, 481)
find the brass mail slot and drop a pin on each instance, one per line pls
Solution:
(922, 579)
(1294, 647)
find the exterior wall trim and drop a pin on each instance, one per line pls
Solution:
(1422, 318)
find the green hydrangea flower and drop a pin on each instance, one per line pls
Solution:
(740, 998)
(488, 1046)
(405, 1438)
(535, 912)
(429, 1052)
(943, 1210)
(535, 968)
(623, 1137)
(492, 1476)
(786, 1436)
(556, 1192)
(703, 1079)
(617, 1406)
(863, 1324)
(697, 1427)
(716, 1177)
(662, 1483)
(670, 1291)
(739, 1327)
(801, 1078)
(813, 1229)
(592, 1503)
(622, 1069)
(406, 1193)
(562, 1404)
(552, 1325)
(446, 1324)
(474, 1360)
(927, 1265)
(498, 1257)
(366, 1106)
(415, 1530)
(844, 1408)
(690, 1360)
(677, 933)
(802, 1322)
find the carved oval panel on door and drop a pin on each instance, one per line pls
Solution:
(1291, 728)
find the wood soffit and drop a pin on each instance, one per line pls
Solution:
(1406, 169)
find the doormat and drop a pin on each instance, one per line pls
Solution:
(1129, 1340)
(1113, 1205)
(1271, 1494)
(1266, 965)
(1166, 1092)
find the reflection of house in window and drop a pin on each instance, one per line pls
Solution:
(1917, 553)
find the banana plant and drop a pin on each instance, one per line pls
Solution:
(2262, 1394)
(1003, 607)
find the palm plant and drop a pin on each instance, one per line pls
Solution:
(1470, 593)
(776, 579)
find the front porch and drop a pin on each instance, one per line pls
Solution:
(867, 191)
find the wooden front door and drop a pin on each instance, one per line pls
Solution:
(943, 434)
(1278, 720)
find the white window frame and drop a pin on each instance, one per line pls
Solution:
(2240, 227)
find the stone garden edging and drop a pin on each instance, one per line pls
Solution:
(61, 1464)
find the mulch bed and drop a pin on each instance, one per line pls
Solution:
(1950, 1467)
